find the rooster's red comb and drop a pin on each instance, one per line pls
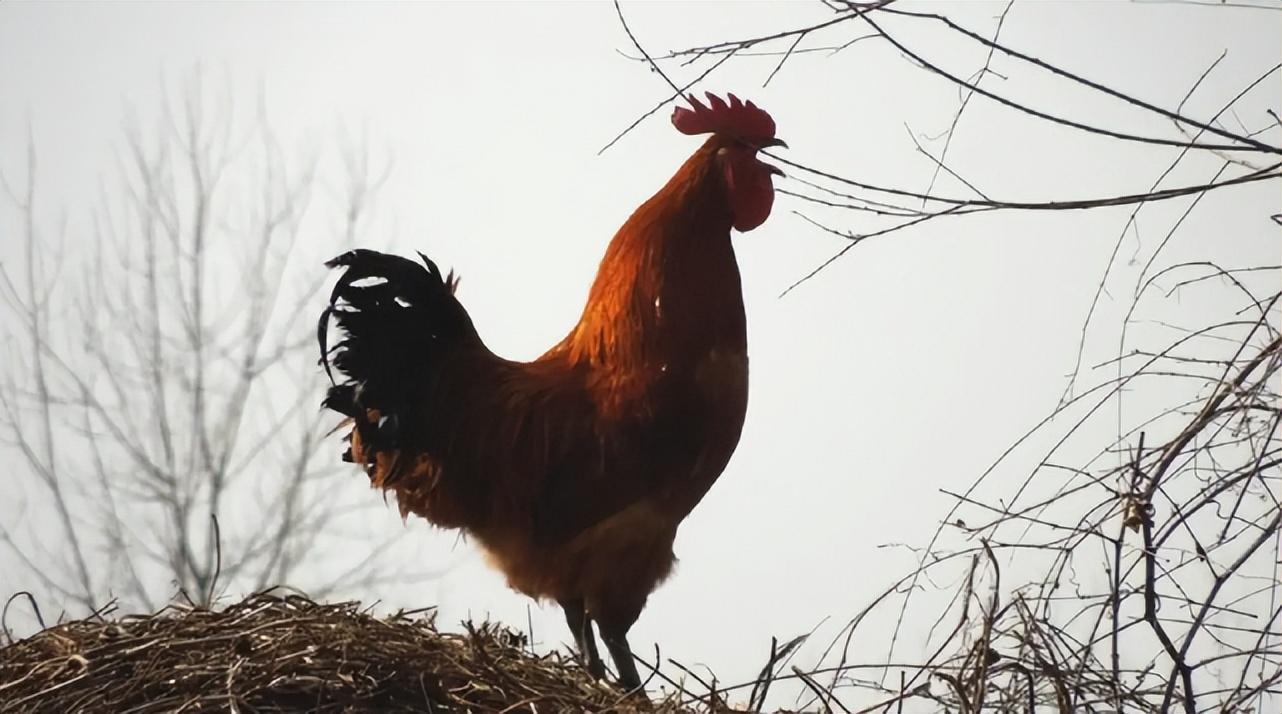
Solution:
(742, 119)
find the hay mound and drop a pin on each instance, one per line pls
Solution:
(273, 653)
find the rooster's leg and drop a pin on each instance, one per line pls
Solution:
(581, 626)
(616, 640)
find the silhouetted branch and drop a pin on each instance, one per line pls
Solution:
(860, 195)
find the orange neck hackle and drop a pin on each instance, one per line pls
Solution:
(668, 285)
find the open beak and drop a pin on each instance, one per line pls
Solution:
(770, 144)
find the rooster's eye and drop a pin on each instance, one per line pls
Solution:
(739, 144)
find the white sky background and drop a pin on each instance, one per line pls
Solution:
(904, 368)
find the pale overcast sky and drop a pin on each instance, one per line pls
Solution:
(904, 368)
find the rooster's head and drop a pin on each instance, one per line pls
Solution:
(740, 129)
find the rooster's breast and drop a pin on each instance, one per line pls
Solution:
(698, 421)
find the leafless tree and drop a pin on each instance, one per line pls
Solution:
(159, 382)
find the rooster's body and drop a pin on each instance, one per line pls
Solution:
(573, 471)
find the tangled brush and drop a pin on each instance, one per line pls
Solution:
(274, 653)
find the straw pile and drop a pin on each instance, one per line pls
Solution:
(274, 653)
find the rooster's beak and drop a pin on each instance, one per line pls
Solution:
(769, 144)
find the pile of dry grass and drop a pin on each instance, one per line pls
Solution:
(273, 653)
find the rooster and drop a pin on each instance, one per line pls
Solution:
(573, 471)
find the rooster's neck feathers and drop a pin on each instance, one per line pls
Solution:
(668, 287)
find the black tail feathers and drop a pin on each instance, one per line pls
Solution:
(395, 318)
